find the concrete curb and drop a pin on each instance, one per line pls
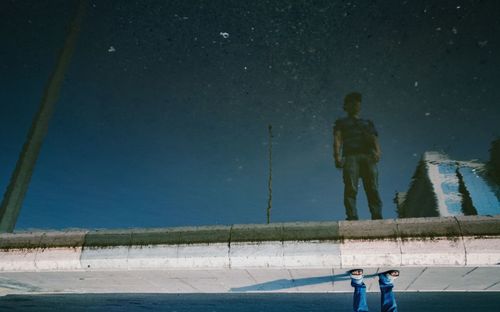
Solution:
(414, 228)
(462, 241)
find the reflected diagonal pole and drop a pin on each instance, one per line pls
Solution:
(16, 191)
(270, 177)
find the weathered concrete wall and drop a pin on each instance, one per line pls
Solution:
(452, 241)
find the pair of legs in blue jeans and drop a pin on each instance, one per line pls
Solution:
(365, 167)
(387, 299)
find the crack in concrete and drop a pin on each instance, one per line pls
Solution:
(399, 240)
(188, 284)
(492, 285)
(416, 278)
(251, 276)
(463, 240)
(463, 275)
(470, 271)
(229, 263)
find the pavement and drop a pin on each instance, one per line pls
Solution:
(433, 254)
(257, 280)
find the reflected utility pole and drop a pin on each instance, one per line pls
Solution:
(16, 191)
(270, 181)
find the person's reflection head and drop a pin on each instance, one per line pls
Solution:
(352, 103)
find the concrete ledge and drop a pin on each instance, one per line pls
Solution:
(433, 252)
(368, 229)
(107, 238)
(482, 252)
(40, 259)
(369, 253)
(141, 237)
(425, 242)
(181, 235)
(159, 236)
(203, 256)
(58, 259)
(408, 252)
(415, 228)
(204, 235)
(479, 225)
(18, 260)
(63, 239)
(27, 240)
(256, 254)
(305, 231)
(109, 257)
(428, 227)
(20, 240)
(257, 232)
(312, 254)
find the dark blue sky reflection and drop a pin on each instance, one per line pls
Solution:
(162, 119)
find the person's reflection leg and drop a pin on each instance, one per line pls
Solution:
(359, 297)
(369, 175)
(386, 283)
(351, 177)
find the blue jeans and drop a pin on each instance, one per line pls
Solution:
(365, 167)
(387, 299)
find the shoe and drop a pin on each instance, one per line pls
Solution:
(388, 277)
(356, 276)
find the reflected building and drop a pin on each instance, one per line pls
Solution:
(445, 187)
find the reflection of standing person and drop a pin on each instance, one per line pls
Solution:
(386, 283)
(357, 139)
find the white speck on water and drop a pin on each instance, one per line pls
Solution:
(224, 35)
(482, 44)
(111, 49)
(415, 155)
(427, 114)
(439, 29)
(454, 30)
(416, 84)
(459, 7)
(245, 68)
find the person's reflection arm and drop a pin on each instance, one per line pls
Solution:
(337, 144)
(378, 151)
